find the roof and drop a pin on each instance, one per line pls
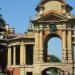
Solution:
(42, 2)
(17, 36)
(12, 36)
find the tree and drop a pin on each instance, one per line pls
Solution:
(53, 58)
(2, 22)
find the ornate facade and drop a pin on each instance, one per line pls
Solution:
(27, 53)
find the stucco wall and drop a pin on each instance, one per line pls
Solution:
(52, 5)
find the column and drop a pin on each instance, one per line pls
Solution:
(14, 56)
(41, 46)
(64, 49)
(69, 46)
(22, 54)
(9, 55)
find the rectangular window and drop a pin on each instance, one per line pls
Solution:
(17, 54)
(12, 50)
(29, 54)
(29, 73)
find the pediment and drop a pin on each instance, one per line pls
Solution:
(52, 18)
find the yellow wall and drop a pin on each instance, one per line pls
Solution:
(52, 5)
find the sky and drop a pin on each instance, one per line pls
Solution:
(17, 14)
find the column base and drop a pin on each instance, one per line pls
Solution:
(70, 61)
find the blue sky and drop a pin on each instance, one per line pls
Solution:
(17, 14)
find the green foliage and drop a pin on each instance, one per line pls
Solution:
(2, 21)
(53, 58)
(54, 71)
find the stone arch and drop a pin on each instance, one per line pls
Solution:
(47, 70)
(46, 39)
(49, 36)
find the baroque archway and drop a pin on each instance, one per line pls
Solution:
(46, 41)
(52, 71)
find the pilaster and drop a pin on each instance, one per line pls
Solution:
(64, 47)
(41, 46)
(69, 46)
(36, 48)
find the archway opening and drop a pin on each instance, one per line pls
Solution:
(3, 58)
(53, 45)
(74, 53)
(52, 71)
(54, 49)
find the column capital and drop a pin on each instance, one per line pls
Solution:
(64, 49)
(22, 43)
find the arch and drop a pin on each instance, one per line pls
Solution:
(51, 70)
(55, 49)
(47, 38)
